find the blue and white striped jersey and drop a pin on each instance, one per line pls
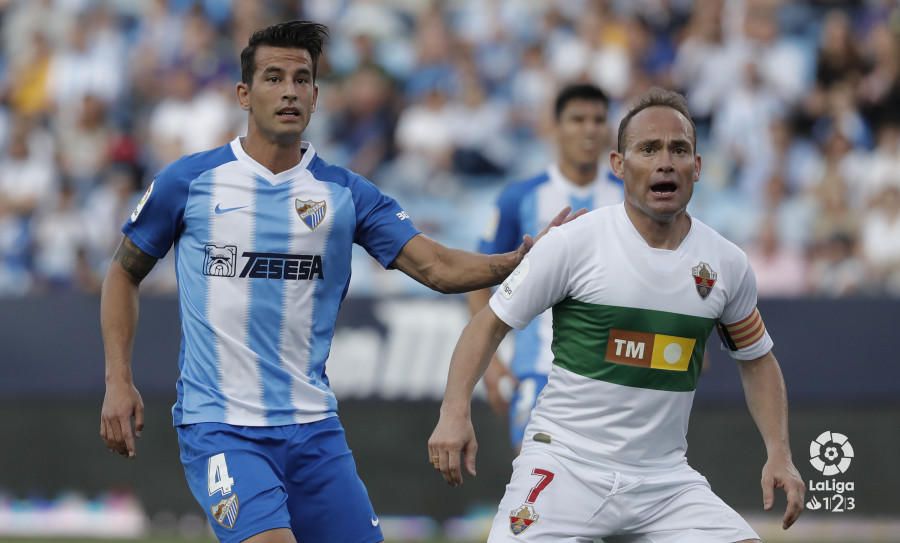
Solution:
(526, 207)
(263, 264)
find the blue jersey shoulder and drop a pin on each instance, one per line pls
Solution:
(157, 221)
(514, 192)
(190, 167)
(382, 226)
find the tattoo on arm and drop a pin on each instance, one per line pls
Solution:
(133, 260)
(497, 271)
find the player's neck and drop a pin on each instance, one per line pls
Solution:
(273, 156)
(578, 175)
(660, 234)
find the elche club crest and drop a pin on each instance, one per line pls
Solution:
(312, 213)
(521, 518)
(704, 279)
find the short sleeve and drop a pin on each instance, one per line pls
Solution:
(540, 281)
(741, 326)
(156, 221)
(503, 232)
(382, 227)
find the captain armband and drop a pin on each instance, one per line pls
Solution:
(743, 333)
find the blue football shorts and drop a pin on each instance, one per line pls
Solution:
(521, 404)
(301, 476)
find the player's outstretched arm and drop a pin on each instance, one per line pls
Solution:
(767, 400)
(449, 270)
(118, 320)
(454, 434)
(499, 382)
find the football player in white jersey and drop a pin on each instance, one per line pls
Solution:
(636, 290)
(263, 229)
(579, 179)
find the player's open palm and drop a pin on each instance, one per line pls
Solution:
(453, 436)
(121, 404)
(783, 474)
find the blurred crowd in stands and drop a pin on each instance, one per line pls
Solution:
(440, 102)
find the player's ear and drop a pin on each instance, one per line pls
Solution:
(243, 95)
(698, 163)
(315, 97)
(617, 163)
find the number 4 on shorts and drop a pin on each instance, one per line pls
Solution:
(546, 478)
(217, 478)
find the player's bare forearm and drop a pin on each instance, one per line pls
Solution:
(477, 299)
(767, 401)
(122, 403)
(118, 320)
(766, 397)
(449, 270)
(471, 357)
(119, 307)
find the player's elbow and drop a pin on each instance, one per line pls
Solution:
(441, 283)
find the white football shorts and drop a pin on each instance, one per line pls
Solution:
(551, 499)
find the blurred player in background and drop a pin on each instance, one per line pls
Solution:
(263, 230)
(636, 289)
(578, 179)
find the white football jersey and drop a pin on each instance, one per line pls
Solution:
(630, 324)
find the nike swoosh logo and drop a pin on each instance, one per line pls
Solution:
(223, 210)
(375, 521)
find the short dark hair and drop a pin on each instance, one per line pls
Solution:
(657, 97)
(294, 34)
(579, 91)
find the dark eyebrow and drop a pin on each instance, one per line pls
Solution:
(643, 143)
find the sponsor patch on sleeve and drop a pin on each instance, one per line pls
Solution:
(743, 333)
(508, 288)
(140, 206)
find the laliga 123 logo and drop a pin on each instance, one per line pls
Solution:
(831, 454)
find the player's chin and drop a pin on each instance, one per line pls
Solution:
(289, 132)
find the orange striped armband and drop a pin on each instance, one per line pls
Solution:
(743, 333)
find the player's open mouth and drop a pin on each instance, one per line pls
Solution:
(664, 187)
(288, 112)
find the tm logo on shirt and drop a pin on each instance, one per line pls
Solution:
(221, 260)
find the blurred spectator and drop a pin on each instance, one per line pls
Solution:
(741, 129)
(81, 67)
(836, 270)
(105, 210)
(189, 120)
(425, 133)
(705, 67)
(479, 148)
(780, 270)
(29, 77)
(365, 125)
(881, 238)
(879, 90)
(27, 178)
(59, 236)
(531, 91)
(84, 144)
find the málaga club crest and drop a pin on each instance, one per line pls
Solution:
(704, 279)
(312, 213)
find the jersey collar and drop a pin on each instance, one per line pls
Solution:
(309, 152)
(561, 181)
